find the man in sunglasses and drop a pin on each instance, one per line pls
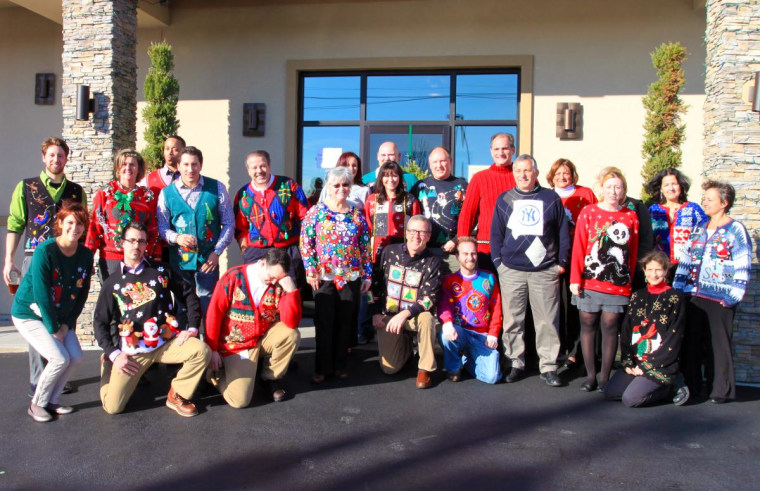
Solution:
(135, 327)
(406, 285)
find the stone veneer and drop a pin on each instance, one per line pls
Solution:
(732, 147)
(99, 50)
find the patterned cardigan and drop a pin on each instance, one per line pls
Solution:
(716, 268)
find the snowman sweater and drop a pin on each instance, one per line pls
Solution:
(140, 298)
(652, 332)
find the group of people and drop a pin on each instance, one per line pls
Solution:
(442, 260)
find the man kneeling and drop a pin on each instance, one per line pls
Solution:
(470, 312)
(255, 307)
(138, 304)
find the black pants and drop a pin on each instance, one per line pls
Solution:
(569, 321)
(335, 317)
(708, 342)
(634, 391)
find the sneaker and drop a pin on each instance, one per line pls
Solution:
(182, 406)
(39, 414)
(682, 396)
(58, 409)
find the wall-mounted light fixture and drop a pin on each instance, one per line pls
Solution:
(44, 89)
(254, 118)
(85, 105)
(569, 121)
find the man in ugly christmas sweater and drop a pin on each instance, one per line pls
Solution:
(135, 327)
(254, 312)
(470, 311)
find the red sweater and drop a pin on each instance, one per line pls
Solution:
(234, 323)
(112, 210)
(604, 250)
(480, 201)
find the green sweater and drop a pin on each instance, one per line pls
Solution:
(55, 287)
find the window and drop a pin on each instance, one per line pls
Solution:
(417, 109)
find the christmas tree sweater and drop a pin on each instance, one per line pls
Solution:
(234, 323)
(604, 250)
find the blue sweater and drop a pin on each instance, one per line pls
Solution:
(529, 230)
(716, 268)
(671, 238)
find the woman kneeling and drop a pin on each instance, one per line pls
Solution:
(650, 339)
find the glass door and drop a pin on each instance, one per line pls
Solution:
(414, 141)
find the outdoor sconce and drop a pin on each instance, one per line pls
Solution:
(44, 89)
(254, 118)
(569, 121)
(85, 105)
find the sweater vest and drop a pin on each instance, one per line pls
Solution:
(202, 223)
(41, 210)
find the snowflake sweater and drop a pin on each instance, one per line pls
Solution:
(652, 332)
(672, 236)
(716, 268)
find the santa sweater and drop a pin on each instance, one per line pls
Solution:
(141, 297)
(480, 201)
(652, 331)
(234, 323)
(604, 250)
(471, 302)
(717, 266)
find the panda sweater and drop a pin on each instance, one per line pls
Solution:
(604, 250)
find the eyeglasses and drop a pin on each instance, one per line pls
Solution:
(343, 185)
(139, 242)
(420, 233)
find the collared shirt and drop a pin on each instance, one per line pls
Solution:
(18, 209)
(191, 196)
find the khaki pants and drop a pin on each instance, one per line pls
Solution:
(238, 378)
(116, 387)
(396, 349)
(542, 289)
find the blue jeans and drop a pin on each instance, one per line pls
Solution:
(470, 351)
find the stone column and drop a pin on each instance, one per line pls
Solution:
(99, 50)
(732, 147)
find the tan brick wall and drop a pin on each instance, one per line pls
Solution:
(732, 147)
(99, 41)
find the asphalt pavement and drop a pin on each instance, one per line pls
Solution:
(375, 432)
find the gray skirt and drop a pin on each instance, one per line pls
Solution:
(591, 301)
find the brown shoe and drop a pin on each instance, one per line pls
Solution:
(456, 376)
(182, 406)
(423, 379)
